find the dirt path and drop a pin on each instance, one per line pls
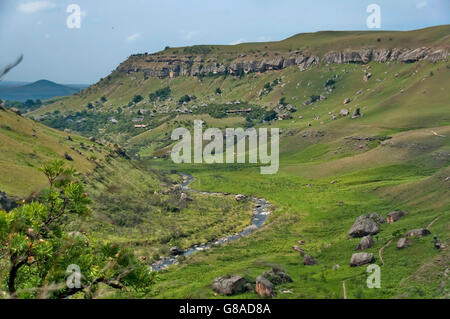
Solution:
(344, 289)
(432, 222)
(380, 251)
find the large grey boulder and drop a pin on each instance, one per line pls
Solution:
(363, 226)
(392, 217)
(264, 288)
(420, 232)
(360, 259)
(365, 243)
(229, 285)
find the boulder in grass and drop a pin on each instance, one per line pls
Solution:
(392, 217)
(309, 260)
(175, 251)
(240, 197)
(344, 112)
(363, 226)
(420, 232)
(277, 276)
(365, 243)
(264, 288)
(229, 285)
(360, 259)
(7, 203)
(68, 157)
(402, 243)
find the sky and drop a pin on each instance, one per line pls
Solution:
(112, 30)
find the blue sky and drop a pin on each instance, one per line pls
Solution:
(111, 30)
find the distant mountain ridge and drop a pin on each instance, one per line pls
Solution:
(42, 89)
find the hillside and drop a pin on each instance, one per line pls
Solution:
(365, 127)
(42, 89)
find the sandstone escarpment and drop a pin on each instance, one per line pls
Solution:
(161, 66)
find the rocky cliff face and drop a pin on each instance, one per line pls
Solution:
(161, 66)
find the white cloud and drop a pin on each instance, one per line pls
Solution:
(188, 35)
(241, 40)
(36, 6)
(133, 37)
(421, 5)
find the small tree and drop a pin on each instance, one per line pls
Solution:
(36, 250)
(137, 98)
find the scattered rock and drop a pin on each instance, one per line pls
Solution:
(68, 138)
(7, 203)
(347, 100)
(357, 113)
(184, 197)
(301, 242)
(15, 110)
(420, 232)
(365, 243)
(122, 152)
(309, 260)
(286, 291)
(360, 259)
(392, 217)
(229, 285)
(402, 243)
(277, 276)
(344, 112)
(68, 157)
(363, 226)
(264, 288)
(336, 267)
(299, 249)
(367, 76)
(175, 251)
(240, 197)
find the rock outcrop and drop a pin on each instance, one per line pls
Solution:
(402, 243)
(309, 260)
(392, 217)
(365, 243)
(420, 232)
(277, 276)
(363, 226)
(264, 288)
(173, 65)
(229, 285)
(360, 259)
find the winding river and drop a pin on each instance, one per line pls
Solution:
(260, 214)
